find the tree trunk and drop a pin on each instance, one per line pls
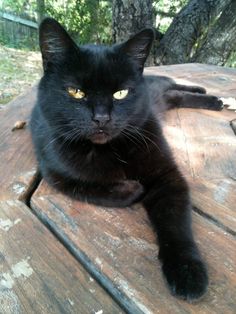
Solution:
(220, 41)
(129, 17)
(40, 10)
(191, 23)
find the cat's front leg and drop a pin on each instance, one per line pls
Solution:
(116, 194)
(168, 206)
(123, 193)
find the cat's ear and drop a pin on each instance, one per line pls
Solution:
(54, 42)
(138, 47)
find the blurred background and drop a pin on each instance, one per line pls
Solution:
(202, 31)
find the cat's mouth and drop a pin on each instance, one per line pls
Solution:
(100, 137)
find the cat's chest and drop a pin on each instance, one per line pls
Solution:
(96, 165)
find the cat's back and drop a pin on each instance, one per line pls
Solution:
(158, 84)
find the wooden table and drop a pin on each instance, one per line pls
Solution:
(62, 256)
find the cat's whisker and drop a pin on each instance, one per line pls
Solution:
(51, 142)
(65, 136)
(126, 134)
(118, 156)
(135, 131)
(143, 136)
(132, 138)
(72, 135)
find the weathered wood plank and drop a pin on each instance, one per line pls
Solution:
(219, 81)
(204, 147)
(38, 275)
(203, 142)
(216, 199)
(211, 144)
(17, 166)
(121, 246)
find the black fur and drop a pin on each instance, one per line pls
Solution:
(112, 152)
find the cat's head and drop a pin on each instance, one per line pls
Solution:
(92, 92)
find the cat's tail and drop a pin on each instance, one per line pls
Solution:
(33, 185)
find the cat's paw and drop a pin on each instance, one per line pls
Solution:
(214, 103)
(197, 89)
(127, 192)
(187, 278)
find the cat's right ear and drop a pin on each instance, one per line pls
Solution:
(54, 41)
(138, 47)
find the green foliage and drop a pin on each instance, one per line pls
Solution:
(20, 7)
(21, 42)
(85, 20)
(231, 62)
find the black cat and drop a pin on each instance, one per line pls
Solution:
(97, 139)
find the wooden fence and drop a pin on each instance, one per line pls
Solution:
(18, 32)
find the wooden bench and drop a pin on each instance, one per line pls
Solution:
(64, 256)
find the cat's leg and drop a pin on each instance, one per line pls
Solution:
(184, 99)
(169, 208)
(187, 88)
(119, 194)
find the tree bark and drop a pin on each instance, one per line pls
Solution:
(220, 41)
(129, 17)
(191, 23)
(40, 10)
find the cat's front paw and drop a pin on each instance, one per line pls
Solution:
(187, 278)
(128, 192)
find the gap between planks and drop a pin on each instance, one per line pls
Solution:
(122, 300)
(213, 220)
(37, 178)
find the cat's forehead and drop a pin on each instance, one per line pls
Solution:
(100, 66)
(98, 55)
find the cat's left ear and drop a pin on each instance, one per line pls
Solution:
(138, 47)
(55, 43)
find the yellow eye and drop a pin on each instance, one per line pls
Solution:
(121, 94)
(76, 93)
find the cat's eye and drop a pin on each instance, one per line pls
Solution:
(121, 94)
(75, 92)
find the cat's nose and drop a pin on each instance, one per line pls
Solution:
(101, 119)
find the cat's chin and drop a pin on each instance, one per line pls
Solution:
(100, 138)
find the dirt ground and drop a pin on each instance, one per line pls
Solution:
(19, 70)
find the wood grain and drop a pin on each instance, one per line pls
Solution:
(121, 246)
(204, 146)
(17, 166)
(38, 275)
(219, 81)
(216, 199)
